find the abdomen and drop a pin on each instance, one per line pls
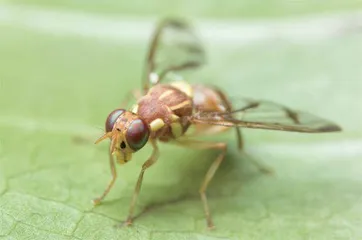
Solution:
(209, 99)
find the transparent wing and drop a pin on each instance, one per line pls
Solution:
(173, 47)
(266, 115)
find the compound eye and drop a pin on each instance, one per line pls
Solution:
(112, 118)
(137, 134)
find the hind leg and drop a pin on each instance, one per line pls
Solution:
(240, 144)
(210, 173)
(211, 130)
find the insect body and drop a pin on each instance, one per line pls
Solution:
(165, 111)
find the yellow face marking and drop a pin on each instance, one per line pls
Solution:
(180, 105)
(183, 87)
(176, 129)
(174, 118)
(121, 157)
(134, 109)
(165, 94)
(157, 124)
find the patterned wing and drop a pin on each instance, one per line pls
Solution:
(173, 47)
(266, 115)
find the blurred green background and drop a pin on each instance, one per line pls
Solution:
(64, 65)
(226, 9)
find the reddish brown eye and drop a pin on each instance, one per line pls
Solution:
(111, 119)
(137, 134)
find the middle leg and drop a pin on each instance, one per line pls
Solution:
(153, 158)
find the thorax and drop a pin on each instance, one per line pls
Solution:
(166, 108)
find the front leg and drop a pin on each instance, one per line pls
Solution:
(98, 200)
(151, 160)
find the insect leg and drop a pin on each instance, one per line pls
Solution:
(210, 173)
(98, 200)
(240, 144)
(151, 160)
(228, 105)
(261, 167)
(239, 139)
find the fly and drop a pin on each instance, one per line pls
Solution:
(169, 109)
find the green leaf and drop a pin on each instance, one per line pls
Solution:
(55, 89)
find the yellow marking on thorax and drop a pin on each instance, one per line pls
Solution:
(157, 124)
(165, 94)
(183, 87)
(180, 105)
(174, 118)
(134, 108)
(176, 129)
